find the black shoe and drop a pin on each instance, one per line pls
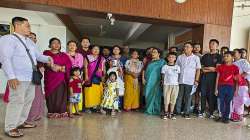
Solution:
(219, 119)
(226, 121)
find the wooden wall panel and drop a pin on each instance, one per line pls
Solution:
(195, 11)
(221, 33)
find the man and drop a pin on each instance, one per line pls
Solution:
(106, 53)
(17, 67)
(125, 55)
(189, 76)
(209, 63)
(197, 52)
(84, 50)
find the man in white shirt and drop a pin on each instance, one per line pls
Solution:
(17, 67)
(189, 76)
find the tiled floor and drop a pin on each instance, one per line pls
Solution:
(131, 126)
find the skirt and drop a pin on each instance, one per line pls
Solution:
(93, 95)
(57, 101)
(132, 93)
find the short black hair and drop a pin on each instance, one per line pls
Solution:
(73, 70)
(171, 53)
(197, 44)
(113, 73)
(243, 49)
(238, 50)
(173, 48)
(117, 46)
(224, 47)
(53, 39)
(85, 37)
(18, 19)
(230, 53)
(214, 40)
(71, 41)
(190, 43)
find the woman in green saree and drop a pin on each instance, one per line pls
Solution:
(153, 89)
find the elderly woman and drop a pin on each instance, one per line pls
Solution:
(56, 80)
(132, 88)
(94, 68)
(153, 89)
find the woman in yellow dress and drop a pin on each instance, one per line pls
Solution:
(132, 87)
(94, 68)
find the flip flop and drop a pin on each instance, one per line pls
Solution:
(26, 126)
(14, 133)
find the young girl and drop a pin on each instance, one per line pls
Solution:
(111, 95)
(75, 87)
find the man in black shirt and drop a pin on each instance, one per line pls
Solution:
(208, 78)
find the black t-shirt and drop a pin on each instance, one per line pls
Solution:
(211, 60)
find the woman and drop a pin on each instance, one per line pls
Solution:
(94, 68)
(56, 80)
(242, 97)
(116, 60)
(77, 61)
(132, 88)
(153, 89)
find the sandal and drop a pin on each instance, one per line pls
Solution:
(26, 125)
(113, 113)
(14, 133)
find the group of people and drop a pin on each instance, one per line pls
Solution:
(90, 79)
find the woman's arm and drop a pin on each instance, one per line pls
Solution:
(85, 67)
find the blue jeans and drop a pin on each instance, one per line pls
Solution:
(226, 93)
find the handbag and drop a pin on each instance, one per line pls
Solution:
(36, 74)
(94, 79)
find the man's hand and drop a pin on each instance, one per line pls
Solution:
(13, 83)
(216, 93)
(196, 83)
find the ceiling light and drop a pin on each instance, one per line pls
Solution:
(180, 1)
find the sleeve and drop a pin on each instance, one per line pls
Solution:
(178, 61)
(163, 70)
(178, 69)
(40, 57)
(236, 71)
(127, 65)
(246, 66)
(203, 59)
(81, 60)
(198, 63)
(71, 83)
(7, 48)
(218, 69)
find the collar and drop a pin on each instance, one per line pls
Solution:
(21, 36)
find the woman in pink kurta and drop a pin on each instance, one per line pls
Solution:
(75, 58)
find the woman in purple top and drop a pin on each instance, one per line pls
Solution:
(75, 58)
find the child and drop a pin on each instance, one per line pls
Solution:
(226, 85)
(75, 86)
(111, 95)
(170, 75)
(116, 66)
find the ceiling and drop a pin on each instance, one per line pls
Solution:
(123, 30)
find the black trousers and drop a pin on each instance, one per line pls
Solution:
(208, 94)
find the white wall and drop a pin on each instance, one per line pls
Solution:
(45, 25)
(240, 27)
